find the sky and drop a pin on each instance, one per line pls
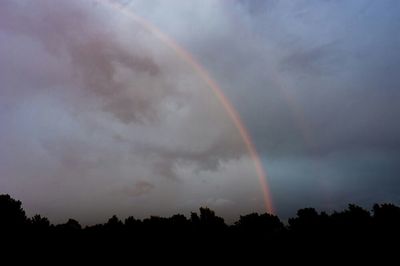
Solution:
(99, 116)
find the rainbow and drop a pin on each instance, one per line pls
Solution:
(217, 91)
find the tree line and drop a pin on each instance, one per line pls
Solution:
(354, 226)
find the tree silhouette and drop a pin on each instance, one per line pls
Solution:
(39, 223)
(308, 221)
(131, 222)
(12, 215)
(309, 231)
(255, 223)
(386, 218)
(209, 220)
(70, 226)
(114, 223)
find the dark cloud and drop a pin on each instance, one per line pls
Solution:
(140, 188)
(100, 59)
(91, 103)
(320, 60)
(316, 84)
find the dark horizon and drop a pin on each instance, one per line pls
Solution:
(351, 233)
(354, 233)
(13, 216)
(7, 200)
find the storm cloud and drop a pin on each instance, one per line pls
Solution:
(99, 116)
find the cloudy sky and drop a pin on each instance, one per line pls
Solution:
(99, 116)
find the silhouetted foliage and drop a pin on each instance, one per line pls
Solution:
(308, 222)
(387, 214)
(11, 213)
(209, 220)
(309, 230)
(70, 226)
(114, 223)
(131, 222)
(386, 219)
(39, 223)
(255, 223)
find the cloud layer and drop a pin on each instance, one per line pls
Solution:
(100, 117)
(98, 113)
(315, 82)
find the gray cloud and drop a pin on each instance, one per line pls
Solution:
(316, 84)
(140, 188)
(101, 61)
(98, 111)
(93, 104)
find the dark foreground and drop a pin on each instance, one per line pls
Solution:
(354, 232)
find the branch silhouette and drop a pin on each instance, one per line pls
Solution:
(354, 228)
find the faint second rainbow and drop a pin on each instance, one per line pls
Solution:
(202, 72)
